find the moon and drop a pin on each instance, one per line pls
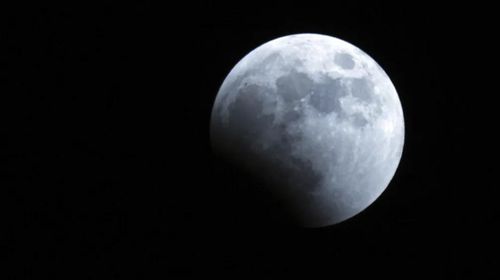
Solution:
(317, 120)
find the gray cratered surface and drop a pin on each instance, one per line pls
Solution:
(315, 117)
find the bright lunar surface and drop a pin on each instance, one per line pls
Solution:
(317, 119)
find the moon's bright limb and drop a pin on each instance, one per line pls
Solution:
(317, 118)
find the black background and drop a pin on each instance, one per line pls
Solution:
(107, 171)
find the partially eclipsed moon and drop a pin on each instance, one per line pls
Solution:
(317, 119)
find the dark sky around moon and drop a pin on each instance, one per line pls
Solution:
(107, 170)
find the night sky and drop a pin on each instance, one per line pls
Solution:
(107, 171)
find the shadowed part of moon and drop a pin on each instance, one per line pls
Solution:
(287, 170)
(276, 161)
(247, 108)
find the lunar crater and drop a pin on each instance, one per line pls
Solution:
(362, 89)
(293, 86)
(325, 97)
(345, 60)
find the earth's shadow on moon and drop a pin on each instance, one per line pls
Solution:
(249, 197)
(249, 201)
